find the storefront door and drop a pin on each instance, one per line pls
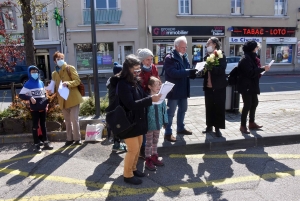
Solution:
(124, 50)
(199, 51)
(42, 62)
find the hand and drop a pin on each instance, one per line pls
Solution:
(192, 72)
(49, 92)
(267, 67)
(65, 84)
(47, 107)
(33, 101)
(156, 97)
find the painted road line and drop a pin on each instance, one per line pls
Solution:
(119, 191)
(232, 156)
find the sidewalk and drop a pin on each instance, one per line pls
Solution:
(278, 112)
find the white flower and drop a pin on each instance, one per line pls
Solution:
(208, 59)
(212, 60)
(212, 56)
(220, 55)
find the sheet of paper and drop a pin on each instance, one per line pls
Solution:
(51, 86)
(63, 91)
(270, 64)
(200, 65)
(164, 90)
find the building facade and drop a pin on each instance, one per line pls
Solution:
(47, 35)
(117, 33)
(273, 23)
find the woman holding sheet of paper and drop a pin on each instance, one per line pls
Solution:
(70, 106)
(249, 70)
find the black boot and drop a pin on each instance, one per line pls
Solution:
(207, 129)
(218, 132)
(133, 180)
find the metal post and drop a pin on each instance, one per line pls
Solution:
(89, 85)
(95, 67)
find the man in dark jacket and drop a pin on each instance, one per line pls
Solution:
(178, 72)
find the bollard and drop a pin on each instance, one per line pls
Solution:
(13, 92)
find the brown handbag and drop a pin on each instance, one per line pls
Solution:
(80, 86)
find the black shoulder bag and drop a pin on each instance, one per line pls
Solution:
(118, 120)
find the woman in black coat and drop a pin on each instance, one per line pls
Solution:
(214, 87)
(135, 101)
(248, 84)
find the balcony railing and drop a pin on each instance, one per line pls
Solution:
(102, 16)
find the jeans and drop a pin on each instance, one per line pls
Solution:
(182, 108)
(38, 117)
(250, 104)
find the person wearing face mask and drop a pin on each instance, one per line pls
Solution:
(214, 87)
(148, 69)
(178, 72)
(69, 107)
(33, 91)
(249, 69)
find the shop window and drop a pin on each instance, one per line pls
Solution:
(236, 50)
(237, 7)
(280, 53)
(184, 7)
(280, 7)
(103, 4)
(84, 56)
(198, 51)
(160, 51)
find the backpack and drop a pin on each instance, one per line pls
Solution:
(233, 76)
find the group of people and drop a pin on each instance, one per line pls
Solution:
(137, 84)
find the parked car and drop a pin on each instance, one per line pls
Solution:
(18, 74)
(231, 63)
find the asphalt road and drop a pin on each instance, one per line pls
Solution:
(272, 83)
(93, 172)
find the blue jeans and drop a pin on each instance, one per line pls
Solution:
(182, 108)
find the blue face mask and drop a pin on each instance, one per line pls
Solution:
(35, 75)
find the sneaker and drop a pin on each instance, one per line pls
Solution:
(133, 180)
(149, 165)
(48, 146)
(37, 148)
(68, 143)
(142, 153)
(78, 142)
(156, 161)
(119, 147)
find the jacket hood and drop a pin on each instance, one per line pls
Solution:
(29, 74)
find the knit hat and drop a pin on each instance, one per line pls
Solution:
(144, 53)
(249, 46)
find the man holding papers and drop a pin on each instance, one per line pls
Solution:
(178, 72)
(249, 70)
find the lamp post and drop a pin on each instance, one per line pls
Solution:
(95, 67)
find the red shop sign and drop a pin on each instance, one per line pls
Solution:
(264, 31)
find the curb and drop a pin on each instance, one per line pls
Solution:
(218, 144)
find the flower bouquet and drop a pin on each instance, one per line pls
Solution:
(213, 60)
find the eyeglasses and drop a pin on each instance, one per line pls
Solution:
(137, 71)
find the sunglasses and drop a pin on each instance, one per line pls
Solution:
(137, 71)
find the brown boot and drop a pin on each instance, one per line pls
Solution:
(244, 130)
(253, 125)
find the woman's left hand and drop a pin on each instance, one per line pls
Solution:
(155, 97)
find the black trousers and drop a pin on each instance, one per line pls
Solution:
(36, 117)
(215, 107)
(250, 104)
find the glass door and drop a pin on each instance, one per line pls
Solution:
(124, 50)
(199, 52)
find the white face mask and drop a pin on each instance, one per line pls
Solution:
(146, 66)
(60, 62)
(210, 49)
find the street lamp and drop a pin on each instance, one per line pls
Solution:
(95, 67)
